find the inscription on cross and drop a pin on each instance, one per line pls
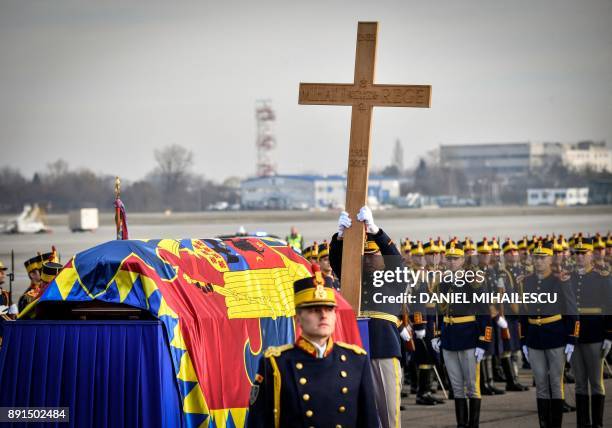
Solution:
(363, 94)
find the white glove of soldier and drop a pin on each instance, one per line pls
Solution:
(502, 323)
(13, 310)
(420, 334)
(435, 344)
(569, 350)
(526, 352)
(365, 215)
(344, 222)
(605, 347)
(479, 354)
(405, 334)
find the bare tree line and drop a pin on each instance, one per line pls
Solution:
(172, 185)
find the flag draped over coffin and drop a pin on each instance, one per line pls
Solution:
(223, 302)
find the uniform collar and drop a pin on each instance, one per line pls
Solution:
(308, 347)
(585, 271)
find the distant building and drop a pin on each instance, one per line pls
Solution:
(588, 155)
(558, 197)
(302, 192)
(478, 160)
(600, 191)
(506, 160)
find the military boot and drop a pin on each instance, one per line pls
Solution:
(597, 410)
(474, 412)
(488, 370)
(423, 396)
(461, 412)
(544, 413)
(511, 380)
(556, 412)
(583, 411)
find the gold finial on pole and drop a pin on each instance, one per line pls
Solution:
(117, 187)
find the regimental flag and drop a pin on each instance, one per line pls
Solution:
(223, 302)
(121, 220)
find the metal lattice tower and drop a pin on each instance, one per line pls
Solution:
(266, 141)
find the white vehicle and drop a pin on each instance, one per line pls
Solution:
(82, 220)
(31, 220)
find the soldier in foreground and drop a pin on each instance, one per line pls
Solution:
(316, 381)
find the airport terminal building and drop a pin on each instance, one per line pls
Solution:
(302, 192)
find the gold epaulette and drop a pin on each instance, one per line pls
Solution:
(275, 351)
(356, 349)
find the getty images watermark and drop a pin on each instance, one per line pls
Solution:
(475, 279)
(387, 284)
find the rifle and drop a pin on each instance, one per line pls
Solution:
(11, 278)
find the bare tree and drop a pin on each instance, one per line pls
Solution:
(173, 166)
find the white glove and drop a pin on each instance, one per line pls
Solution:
(435, 344)
(502, 323)
(526, 352)
(344, 222)
(3, 309)
(13, 310)
(365, 215)
(405, 334)
(501, 283)
(569, 350)
(605, 347)
(420, 334)
(479, 354)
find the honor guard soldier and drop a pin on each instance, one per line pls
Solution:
(5, 299)
(525, 260)
(490, 285)
(315, 382)
(593, 290)
(549, 332)
(323, 260)
(558, 261)
(33, 267)
(440, 244)
(599, 252)
(310, 253)
(423, 318)
(384, 331)
(48, 273)
(432, 255)
(406, 252)
(609, 249)
(511, 340)
(469, 249)
(464, 337)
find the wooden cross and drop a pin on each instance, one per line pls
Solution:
(362, 95)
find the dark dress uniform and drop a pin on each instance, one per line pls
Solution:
(384, 333)
(423, 318)
(593, 289)
(465, 327)
(546, 329)
(510, 337)
(295, 388)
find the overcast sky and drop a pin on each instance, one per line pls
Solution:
(102, 84)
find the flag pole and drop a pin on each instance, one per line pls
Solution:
(117, 209)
